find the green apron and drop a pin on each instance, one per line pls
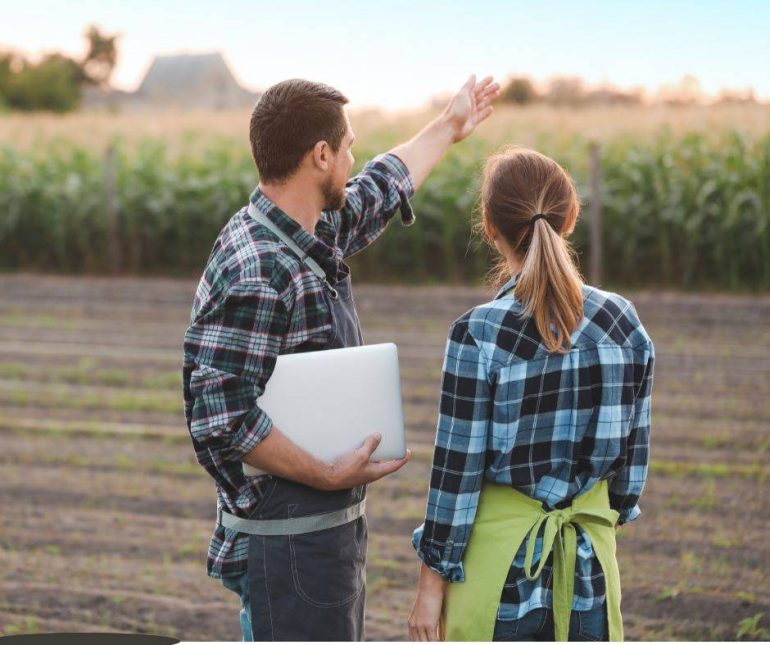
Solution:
(504, 519)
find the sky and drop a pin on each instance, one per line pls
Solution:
(395, 54)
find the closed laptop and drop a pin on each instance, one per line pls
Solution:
(329, 401)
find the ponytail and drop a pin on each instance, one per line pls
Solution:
(519, 183)
(550, 287)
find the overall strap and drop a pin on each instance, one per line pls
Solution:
(292, 525)
(304, 257)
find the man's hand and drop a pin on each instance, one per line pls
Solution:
(356, 467)
(278, 455)
(471, 105)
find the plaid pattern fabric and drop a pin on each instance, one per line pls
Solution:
(257, 300)
(549, 425)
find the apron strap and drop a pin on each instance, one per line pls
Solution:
(561, 537)
(263, 219)
(505, 519)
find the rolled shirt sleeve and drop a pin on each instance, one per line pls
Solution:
(459, 457)
(383, 187)
(234, 348)
(625, 488)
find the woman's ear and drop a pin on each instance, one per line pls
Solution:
(489, 230)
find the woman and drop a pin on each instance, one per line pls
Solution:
(543, 433)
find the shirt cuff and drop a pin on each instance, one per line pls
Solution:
(453, 572)
(255, 427)
(392, 166)
(629, 514)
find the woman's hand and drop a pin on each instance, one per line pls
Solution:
(426, 612)
(425, 616)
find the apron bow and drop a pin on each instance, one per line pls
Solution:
(560, 533)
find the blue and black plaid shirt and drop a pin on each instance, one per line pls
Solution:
(548, 424)
(257, 300)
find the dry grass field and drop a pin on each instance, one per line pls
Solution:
(105, 516)
(524, 125)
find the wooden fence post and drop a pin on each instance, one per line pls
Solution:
(113, 212)
(596, 215)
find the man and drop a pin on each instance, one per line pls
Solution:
(292, 543)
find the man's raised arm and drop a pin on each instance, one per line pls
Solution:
(387, 182)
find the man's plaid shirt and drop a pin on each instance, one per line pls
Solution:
(550, 425)
(257, 300)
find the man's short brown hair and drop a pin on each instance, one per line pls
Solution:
(288, 120)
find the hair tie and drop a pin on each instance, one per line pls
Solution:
(537, 217)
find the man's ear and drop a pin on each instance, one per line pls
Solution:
(321, 156)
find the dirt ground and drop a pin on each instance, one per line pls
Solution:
(105, 515)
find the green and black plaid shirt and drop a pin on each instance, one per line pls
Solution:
(257, 300)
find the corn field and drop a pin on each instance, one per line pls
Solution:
(680, 210)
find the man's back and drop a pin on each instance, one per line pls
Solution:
(258, 300)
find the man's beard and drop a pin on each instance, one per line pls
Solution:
(334, 200)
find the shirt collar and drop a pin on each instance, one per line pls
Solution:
(510, 284)
(316, 248)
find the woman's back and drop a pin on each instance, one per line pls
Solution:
(546, 389)
(549, 424)
(560, 422)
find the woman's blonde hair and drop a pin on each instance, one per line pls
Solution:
(519, 183)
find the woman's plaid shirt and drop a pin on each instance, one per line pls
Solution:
(257, 300)
(550, 425)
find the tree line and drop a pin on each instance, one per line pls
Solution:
(572, 91)
(56, 81)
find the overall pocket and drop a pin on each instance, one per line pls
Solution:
(328, 567)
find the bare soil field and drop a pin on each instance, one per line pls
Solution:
(105, 515)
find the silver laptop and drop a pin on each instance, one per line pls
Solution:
(329, 401)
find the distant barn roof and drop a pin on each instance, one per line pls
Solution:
(193, 81)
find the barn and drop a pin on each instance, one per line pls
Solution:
(179, 81)
(197, 81)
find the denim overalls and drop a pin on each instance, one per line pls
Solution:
(308, 586)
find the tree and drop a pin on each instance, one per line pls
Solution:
(687, 91)
(519, 90)
(608, 95)
(729, 96)
(56, 82)
(51, 84)
(566, 90)
(99, 62)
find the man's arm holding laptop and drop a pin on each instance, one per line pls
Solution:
(235, 347)
(279, 455)
(388, 181)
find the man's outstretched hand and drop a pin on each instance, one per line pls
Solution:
(471, 105)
